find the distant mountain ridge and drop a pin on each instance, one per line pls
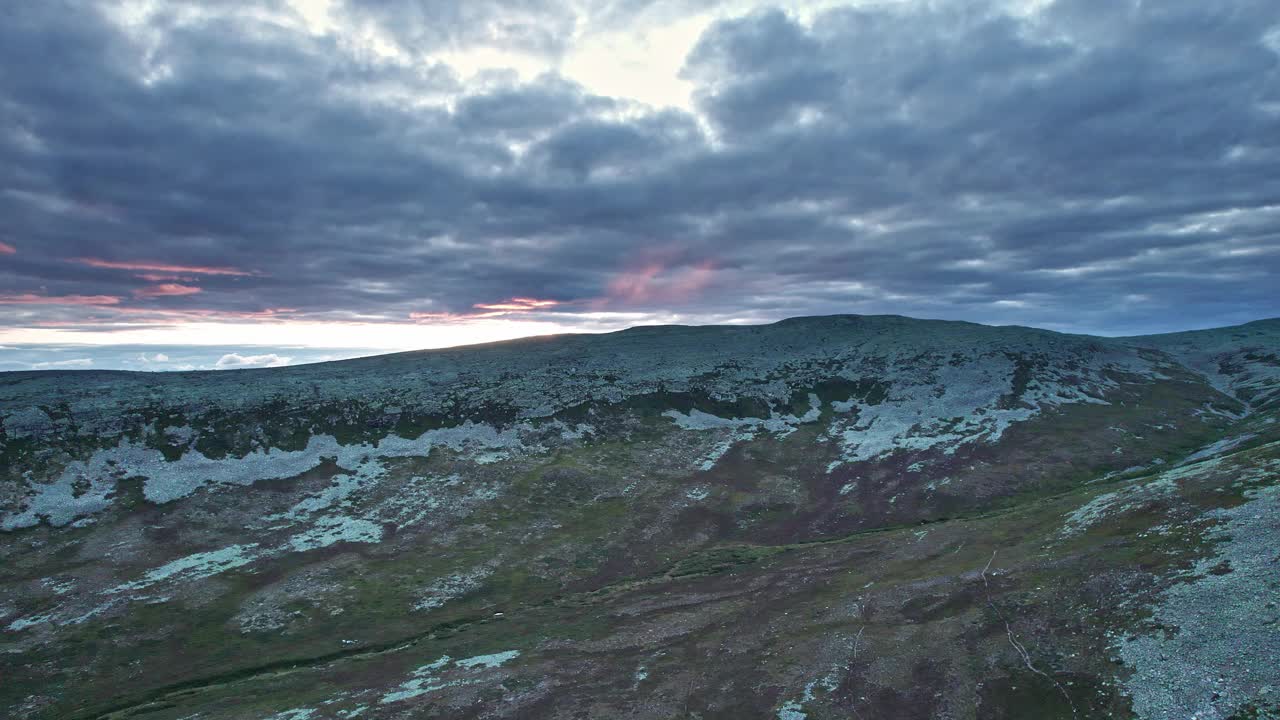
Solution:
(1241, 359)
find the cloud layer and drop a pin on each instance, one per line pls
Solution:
(1081, 164)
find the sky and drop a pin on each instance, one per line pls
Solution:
(220, 184)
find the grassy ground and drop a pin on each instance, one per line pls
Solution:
(620, 573)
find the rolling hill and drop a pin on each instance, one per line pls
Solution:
(829, 517)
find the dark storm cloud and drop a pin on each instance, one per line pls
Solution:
(1090, 166)
(1057, 145)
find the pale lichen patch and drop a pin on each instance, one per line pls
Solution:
(794, 709)
(425, 679)
(294, 714)
(1113, 503)
(195, 566)
(1214, 642)
(491, 660)
(29, 622)
(335, 529)
(1220, 447)
(451, 587)
(87, 486)
(741, 429)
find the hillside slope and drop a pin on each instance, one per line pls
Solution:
(871, 517)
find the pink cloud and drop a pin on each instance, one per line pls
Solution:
(693, 280)
(635, 285)
(656, 282)
(167, 290)
(159, 267)
(30, 299)
(7, 249)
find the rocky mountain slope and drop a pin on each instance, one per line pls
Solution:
(836, 517)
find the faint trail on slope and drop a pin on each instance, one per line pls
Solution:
(1021, 650)
(857, 639)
